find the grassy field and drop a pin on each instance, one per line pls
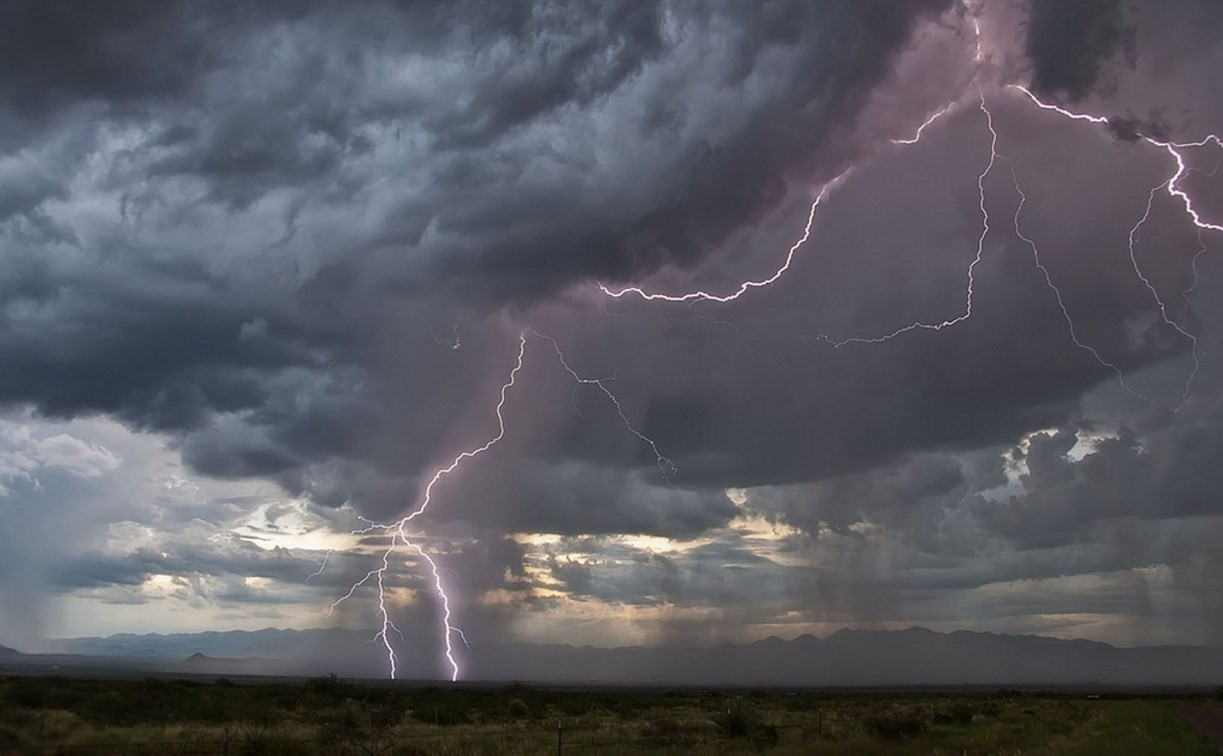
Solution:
(329, 716)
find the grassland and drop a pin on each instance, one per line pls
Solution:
(330, 716)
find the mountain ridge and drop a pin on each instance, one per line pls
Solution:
(913, 656)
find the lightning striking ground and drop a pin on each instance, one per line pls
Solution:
(398, 534)
(398, 530)
(1173, 186)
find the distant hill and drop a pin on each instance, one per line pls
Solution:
(9, 653)
(915, 656)
(270, 643)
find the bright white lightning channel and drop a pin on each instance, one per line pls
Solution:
(398, 530)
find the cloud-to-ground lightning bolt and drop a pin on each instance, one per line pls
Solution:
(398, 530)
(972, 267)
(398, 534)
(1061, 303)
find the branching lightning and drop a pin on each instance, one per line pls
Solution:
(746, 286)
(398, 531)
(1178, 193)
(664, 464)
(1173, 186)
(925, 125)
(1057, 293)
(398, 534)
(972, 268)
(1163, 309)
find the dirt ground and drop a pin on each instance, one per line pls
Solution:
(1206, 718)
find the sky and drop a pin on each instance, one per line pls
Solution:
(269, 267)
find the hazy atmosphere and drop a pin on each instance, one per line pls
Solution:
(269, 268)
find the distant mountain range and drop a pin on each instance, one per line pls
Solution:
(916, 656)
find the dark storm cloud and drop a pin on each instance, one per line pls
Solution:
(1070, 43)
(59, 54)
(212, 123)
(300, 240)
(1166, 473)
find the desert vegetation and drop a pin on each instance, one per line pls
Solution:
(331, 716)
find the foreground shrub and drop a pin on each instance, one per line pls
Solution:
(517, 709)
(671, 731)
(739, 720)
(329, 685)
(895, 726)
(958, 713)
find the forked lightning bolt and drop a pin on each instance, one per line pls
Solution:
(1057, 293)
(972, 267)
(1173, 186)
(1163, 309)
(925, 125)
(398, 534)
(1178, 193)
(746, 286)
(665, 465)
(750, 284)
(398, 530)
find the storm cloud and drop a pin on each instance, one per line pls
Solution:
(295, 247)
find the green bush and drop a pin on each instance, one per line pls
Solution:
(671, 731)
(443, 714)
(739, 720)
(516, 708)
(329, 685)
(9, 738)
(259, 743)
(895, 726)
(766, 734)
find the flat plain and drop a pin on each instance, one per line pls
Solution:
(327, 715)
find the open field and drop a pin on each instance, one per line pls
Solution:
(330, 716)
